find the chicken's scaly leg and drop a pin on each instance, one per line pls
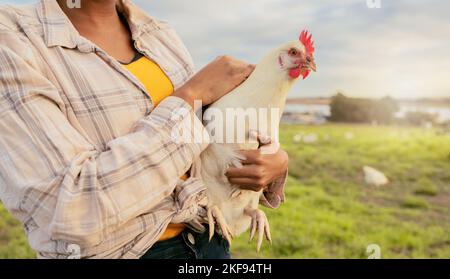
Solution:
(216, 216)
(260, 223)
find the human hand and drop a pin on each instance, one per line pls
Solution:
(215, 80)
(259, 168)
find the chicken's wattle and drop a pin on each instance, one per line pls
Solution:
(295, 72)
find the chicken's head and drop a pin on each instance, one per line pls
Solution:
(297, 57)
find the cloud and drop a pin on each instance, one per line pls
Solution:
(400, 49)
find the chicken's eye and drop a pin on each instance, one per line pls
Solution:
(293, 52)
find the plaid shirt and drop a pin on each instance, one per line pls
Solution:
(85, 157)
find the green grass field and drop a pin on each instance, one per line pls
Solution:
(330, 212)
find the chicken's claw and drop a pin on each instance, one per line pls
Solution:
(252, 229)
(215, 216)
(260, 224)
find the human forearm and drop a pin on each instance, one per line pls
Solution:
(214, 81)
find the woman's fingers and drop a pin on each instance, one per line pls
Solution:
(251, 184)
(249, 70)
(251, 156)
(269, 149)
(260, 137)
(249, 171)
(250, 177)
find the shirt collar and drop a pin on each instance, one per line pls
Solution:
(59, 31)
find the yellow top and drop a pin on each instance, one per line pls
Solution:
(156, 82)
(159, 86)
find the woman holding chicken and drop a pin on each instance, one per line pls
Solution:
(87, 99)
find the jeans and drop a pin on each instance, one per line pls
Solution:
(190, 245)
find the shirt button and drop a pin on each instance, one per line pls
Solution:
(191, 238)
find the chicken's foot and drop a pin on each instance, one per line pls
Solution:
(260, 224)
(215, 216)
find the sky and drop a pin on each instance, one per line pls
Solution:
(399, 48)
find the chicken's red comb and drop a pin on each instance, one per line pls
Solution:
(306, 40)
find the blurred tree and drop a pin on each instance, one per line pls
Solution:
(359, 110)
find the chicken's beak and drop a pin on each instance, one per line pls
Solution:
(312, 66)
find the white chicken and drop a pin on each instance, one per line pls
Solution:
(263, 96)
